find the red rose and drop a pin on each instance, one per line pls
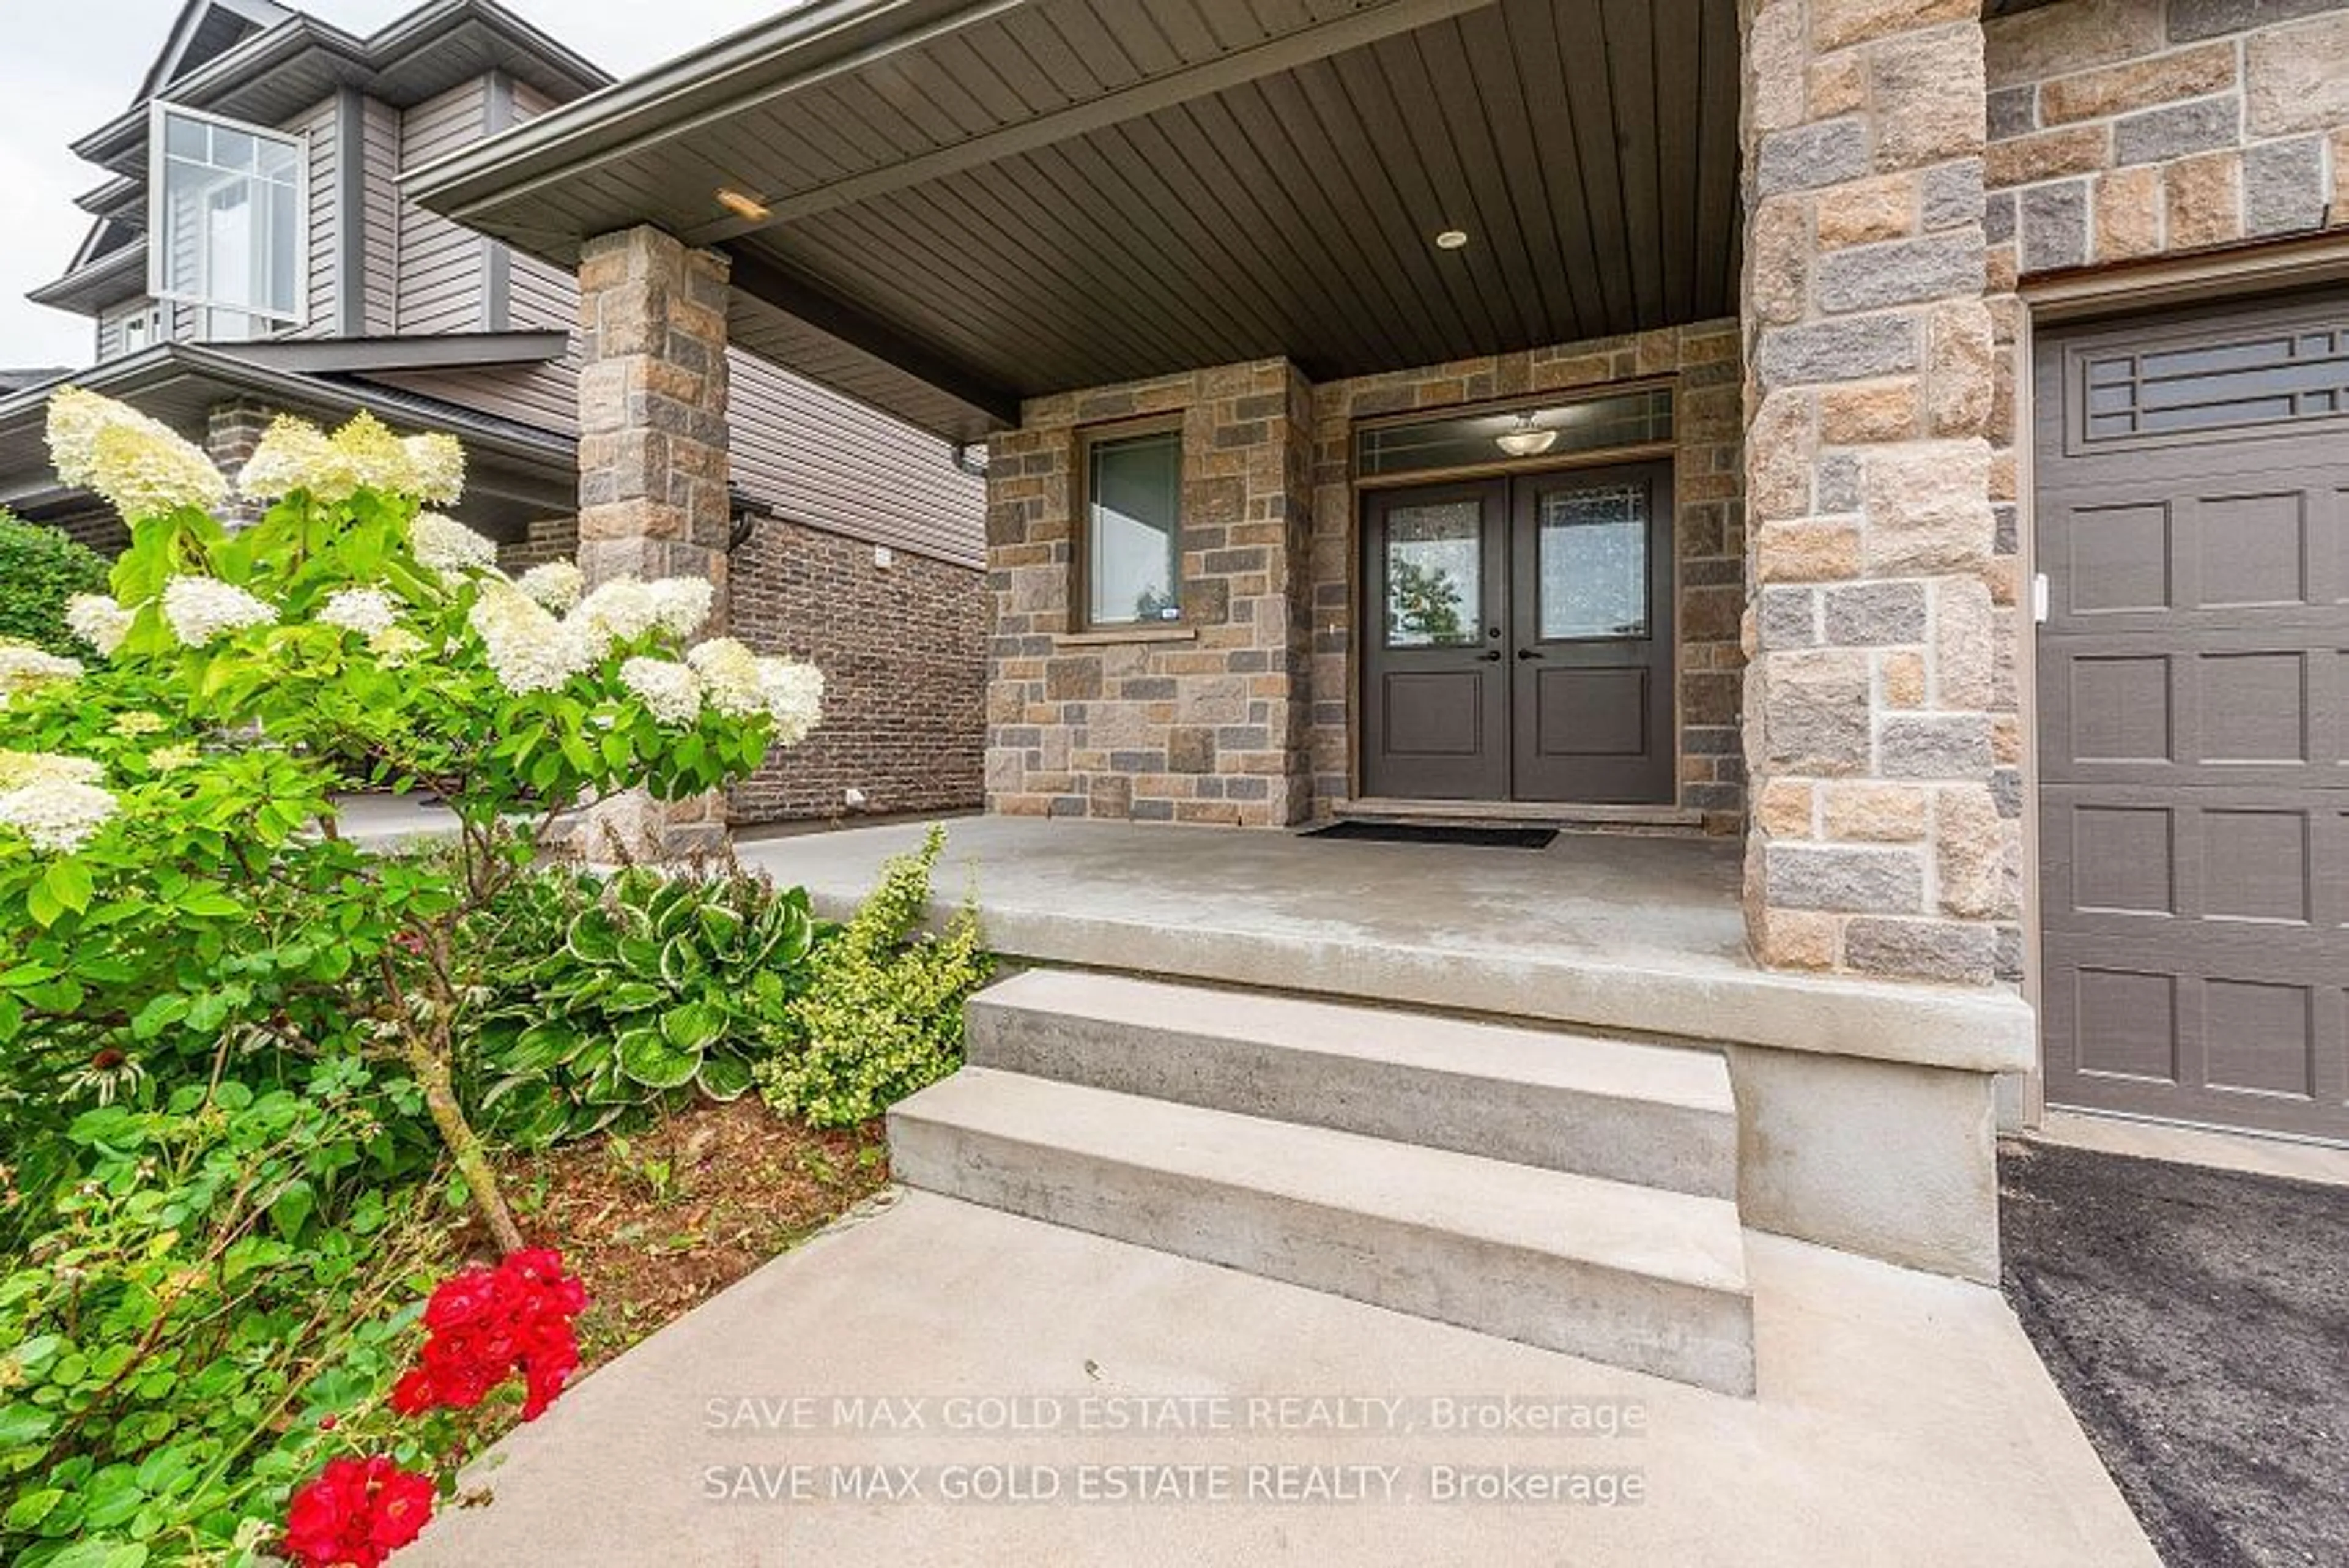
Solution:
(356, 1514)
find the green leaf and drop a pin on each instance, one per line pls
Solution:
(42, 904)
(292, 1209)
(694, 1026)
(652, 1061)
(22, 1426)
(31, 1509)
(724, 1079)
(592, 938)
(68, 881)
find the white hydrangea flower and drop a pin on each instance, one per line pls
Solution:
(139, 722)
(529, 651)
(201, 610)
(681, 604)
(621, 611)
(672, 692)
(99, 622)
(142, 467)
(294, 454)
(171, 759)
(21, 769)
(794, 693)
(729, 675)
(444, 544)
(363, 455)
(58, 815)
(24, 668)
(370, 612)
(438, 465)
(558, 585)
(395, 646)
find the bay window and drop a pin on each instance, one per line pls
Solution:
(226, 222)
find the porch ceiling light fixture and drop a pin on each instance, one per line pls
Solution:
(1526, 440)
(1451, 240)
(748, 208)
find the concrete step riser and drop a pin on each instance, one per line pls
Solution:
(1648, 1143)
(1669, 1328)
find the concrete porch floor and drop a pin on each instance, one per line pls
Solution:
(1639, 934)
(1902, 1417)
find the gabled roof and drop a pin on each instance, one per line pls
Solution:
(206, 30)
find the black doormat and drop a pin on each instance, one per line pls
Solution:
(1474, 837)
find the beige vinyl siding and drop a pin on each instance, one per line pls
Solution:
(382, 135)
(442, 266)
(112, 342)
(317, 127)
(816, 457)
(545, 397)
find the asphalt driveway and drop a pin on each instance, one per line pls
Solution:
(2198, 1321)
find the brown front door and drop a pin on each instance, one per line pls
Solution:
(2193, 678)
(1519, 642)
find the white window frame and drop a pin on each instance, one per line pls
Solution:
(159, 260)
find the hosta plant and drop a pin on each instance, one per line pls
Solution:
(176, 894)
(626, 989)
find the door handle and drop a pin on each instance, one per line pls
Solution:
(1527, 653)
(1491, 658)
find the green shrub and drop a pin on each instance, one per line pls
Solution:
(614, 993)
(40, 568)
(883, 1016)
(223, 1273)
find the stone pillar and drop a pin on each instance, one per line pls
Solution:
(654, 461)
(1872, 700)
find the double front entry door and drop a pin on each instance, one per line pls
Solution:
(1518, 644)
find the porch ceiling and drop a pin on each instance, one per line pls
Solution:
(973, 203)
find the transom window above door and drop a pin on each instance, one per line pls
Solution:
(1526, 434)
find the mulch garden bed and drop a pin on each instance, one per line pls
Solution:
(658, 1220)
(2198, 1321)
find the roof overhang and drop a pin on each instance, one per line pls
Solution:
(119, 275)
(300, 59)
(968, 202)
(515, 474)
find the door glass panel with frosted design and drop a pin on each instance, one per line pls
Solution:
(1434, 573)
(1594, 563)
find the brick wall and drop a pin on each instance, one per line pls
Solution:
(1200, 720)
(903, 652)
(551, 539)
(1708, 482)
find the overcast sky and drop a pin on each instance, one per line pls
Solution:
(76, 66)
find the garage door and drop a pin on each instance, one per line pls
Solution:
(2193, 526)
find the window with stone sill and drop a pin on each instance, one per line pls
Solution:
(1131, 560)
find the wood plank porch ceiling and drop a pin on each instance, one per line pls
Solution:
(974, 203)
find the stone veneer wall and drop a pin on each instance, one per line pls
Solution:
(1708, 482)
(1203, 721)
(654, 463)
(1879, 714)
(903, 648)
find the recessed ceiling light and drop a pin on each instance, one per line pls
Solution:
(750, 209)
(1451, 240)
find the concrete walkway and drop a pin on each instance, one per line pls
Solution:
(1902, 1418)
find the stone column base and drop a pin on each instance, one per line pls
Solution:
(635, 830)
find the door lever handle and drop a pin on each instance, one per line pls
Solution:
(1527, 653)
(1491, 658)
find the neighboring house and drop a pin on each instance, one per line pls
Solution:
(251, 253)
(1910, 433)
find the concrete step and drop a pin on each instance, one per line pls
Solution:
(1633, 1276)
(1652, 1115)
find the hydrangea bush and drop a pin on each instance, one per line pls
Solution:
(178, 895)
